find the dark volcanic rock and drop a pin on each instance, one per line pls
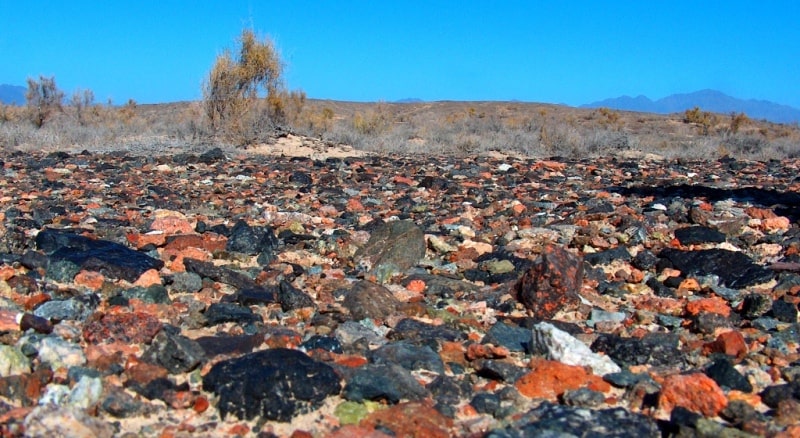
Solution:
(512, 337)
(383, 382)
(409, 356)
(697, 235)
(273, 384)
(784, 311)
(223, 275)
(653, 349)
(176, 353)
(735, 269)
(251, 240)
(392, 247)
(551, 420)
(607, 256)
(292, 298)
(420, 332)
(726, 376)
(552, 284)
(109, 258)
(219, 313)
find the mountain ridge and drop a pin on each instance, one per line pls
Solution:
(707, 100)
(12, 94)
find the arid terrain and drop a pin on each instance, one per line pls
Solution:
(422, 269)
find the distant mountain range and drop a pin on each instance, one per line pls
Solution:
(12, 94)
(706, 100)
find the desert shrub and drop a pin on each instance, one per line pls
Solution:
(704, 120)
(43, 99)
(82, 101)
(373, 121)
(235, 84)
(738, 120)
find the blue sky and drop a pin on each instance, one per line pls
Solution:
(556, 51)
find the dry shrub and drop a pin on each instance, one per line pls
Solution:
(43, 99)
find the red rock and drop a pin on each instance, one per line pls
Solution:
(26, 388)
(139, 241)
(486, 351)
(6, 272)
(710, 305)
(354, 205)
(453, 352)
(172, 225)
(695, 392)
(201, 404)
(775, 224)
(91, 279)
(149, 278)
(144, 373)
(8, 320)
(551, 285)
(174, 258)
(549, 379)
(351, 361)
(731, 343)
(411, 419)
(210, 242)
(759, 213)
(136, 327)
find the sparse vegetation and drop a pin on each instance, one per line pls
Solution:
(44, 99)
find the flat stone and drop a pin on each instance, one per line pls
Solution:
(272, 384)
(409, 356)
(366, 299)
(697, 235)
(175, 352)
(559, 345)
(109, 258)
(607, 256)
(734, 269)
(652, 350)
(550, 379)
(728, 377)
(512, 337)
(134, 327)
(695, 392)
(76, 309)
(218, 313)
(383, 382)
(50, 420)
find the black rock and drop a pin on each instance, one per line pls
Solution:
(300, 178)
(644, 260)
(498, 370)
(439, 286)
(255, 297)
(659, 288)
(273, 384)
(726, 376)
(583, 397)
(229, 345)
(698, 234)
(656, 349)
(292, 298)
(383, 382)
(734, 268)
(551, 420)
(211, 156)
(626, 379)
(409, 356)
(607, 256)
(251, 240)
(707, 322)
(175, 352)
(158, 389)
(448, 390)
(422, 333)
(120, 404)
(755, 305)
(218, 313)
(486, 403)
(156, 294)
(784, 311)
(109, 258)
(772, 395)
(224, 275)
(326, 343)
(512, 337)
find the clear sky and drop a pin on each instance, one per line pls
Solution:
(571, 52)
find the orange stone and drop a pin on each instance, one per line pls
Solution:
(91, 279)
(172, 225)
(731, 343)
(695, 392)
(417, 286)
(453, 352)
(7, 272)
(200, 404)
(708, 305)
(353, 204)
(549, 379)
(351, 361)
(411, 419)
(775, 224)
(149, 278)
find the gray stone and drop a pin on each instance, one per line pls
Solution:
(512, 337)
(369, 300)
(71, 309)
(12, 361)
(409, 356)
(156, 294)
(60, 353)
(175, 352)
(186, 282)
(394, 245)
(57, 421)
(383, 382)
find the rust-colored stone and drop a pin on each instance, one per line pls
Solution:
(136, 327)
(144, 373)
(26, 388)
(91, 279)
(411, 419)
(731, 343)
(552, 284)
(549, 379)
(710, 305)
(695, 392)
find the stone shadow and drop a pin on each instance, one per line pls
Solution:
(783, 203)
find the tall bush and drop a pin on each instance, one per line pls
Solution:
(43, 99)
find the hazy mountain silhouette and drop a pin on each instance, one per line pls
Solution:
(707, 100)
(12, 94)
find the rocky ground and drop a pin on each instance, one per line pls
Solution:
(216, 294)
